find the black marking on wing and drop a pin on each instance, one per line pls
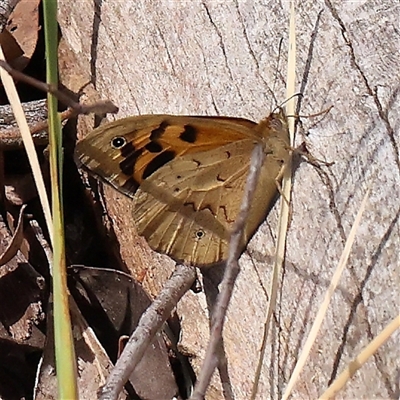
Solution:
(127, 150)
(189, 135)
(200, 207)
(158, 132)
(127, 165)
(199, 234)
(130, 186)
(224, 210)
(154, 147)
(158, 162)
(118, 142)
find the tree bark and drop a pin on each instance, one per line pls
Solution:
(224, 58)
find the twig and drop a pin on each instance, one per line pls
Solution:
(10, 137)
(149, 324)
(229, 278)
(100, 107)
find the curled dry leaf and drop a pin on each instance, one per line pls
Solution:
(15, 242)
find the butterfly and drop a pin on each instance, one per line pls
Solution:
(186, 176)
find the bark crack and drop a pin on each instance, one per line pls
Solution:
(166, 49)
(208, 79)
(383, 114)
(222, 47)
(252, 54)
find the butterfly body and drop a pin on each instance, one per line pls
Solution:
(186, 176)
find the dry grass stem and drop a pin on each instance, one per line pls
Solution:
(361, 359)
(325, 303)
(12, 95)
(285, 201)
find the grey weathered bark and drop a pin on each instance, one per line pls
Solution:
(221, 58)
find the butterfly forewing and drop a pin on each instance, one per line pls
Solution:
(151, 142)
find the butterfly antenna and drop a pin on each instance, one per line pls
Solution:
(279, 106)
(277, 70)
(323, 113)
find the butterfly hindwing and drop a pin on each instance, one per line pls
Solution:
(187, 208)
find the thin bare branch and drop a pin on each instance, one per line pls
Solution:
(150, 323)
(100, 107)
(230, 275)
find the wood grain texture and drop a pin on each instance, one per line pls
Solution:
(221, 58)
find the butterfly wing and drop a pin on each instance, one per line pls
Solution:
(187, 177)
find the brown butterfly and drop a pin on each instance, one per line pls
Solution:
(186, 176)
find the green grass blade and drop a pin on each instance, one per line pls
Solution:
(63, 339)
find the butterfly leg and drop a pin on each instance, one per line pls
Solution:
(303, 152)
(278, 181)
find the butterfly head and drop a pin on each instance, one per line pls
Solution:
(275, 126)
